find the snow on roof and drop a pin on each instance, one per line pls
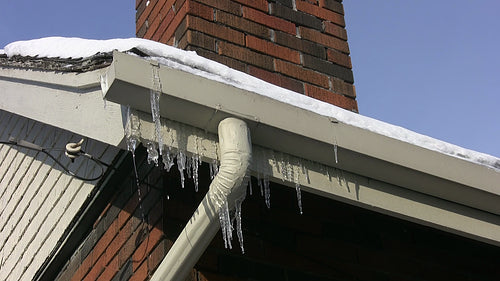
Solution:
(190, 62)
(2, 52)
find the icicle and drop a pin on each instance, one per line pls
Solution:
(155, 106)
(304, 171)
(267, 191)
(214, 168)
(132, 130)
(297, 188)
(226, 226)
(195, 165)
(283, 170)
(132, 135)
(335, 152)
(239, 230)
(152, 152)
(259, 182)
(250, 185)
(168, 160)
(104, 86)
(289, 171)
(189, 167)
(299, 197)
(181, 165)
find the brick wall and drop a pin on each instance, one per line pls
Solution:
(330, 241)
(298, 45)
(335, 241)
(120, 244)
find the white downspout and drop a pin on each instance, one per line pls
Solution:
(228, 184)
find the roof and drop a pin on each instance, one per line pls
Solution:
(384, 167)
(84, 55)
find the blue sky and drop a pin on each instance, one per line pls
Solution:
(429, 66)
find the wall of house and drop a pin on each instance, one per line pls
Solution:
(330, 241)
(299, 45)
(38, 199)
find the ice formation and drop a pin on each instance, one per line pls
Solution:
(132, 136)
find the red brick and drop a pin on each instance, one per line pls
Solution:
(105, 240)
(84, 268)
(195, 38)
(257, 4)
(158, 254)
(165, 23)
(127, 211)
(224, 5)
(167, 35)
(96, 270)
(268, 20)
(335, 30)
(108, 206)
(145, 248)
(324, 39)
(304, 46)
(277, 79)
(200, 10)
(145, 14)
(341, 87)
(302, 74)
(218, 31)
(118, 242)
(320, 12)
(245, 55)
(162, 17)
(339, 58)
(110, 270)
(141, 274)
(332, 5)
(239, 23)
(138, 2)
(330, 97)
(270, 48)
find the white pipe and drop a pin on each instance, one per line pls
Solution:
(228, 184)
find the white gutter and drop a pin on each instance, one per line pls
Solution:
(227, 186)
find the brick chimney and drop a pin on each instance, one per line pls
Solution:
(295, 44)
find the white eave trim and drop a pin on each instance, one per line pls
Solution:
(374, 171)
(202, 103)
(386, 174)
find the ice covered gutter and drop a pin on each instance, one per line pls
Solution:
(192, 63)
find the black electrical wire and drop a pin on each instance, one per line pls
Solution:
(32, 146)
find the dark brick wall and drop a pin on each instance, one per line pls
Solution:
(290, 43)
(330, 241)
(120, 245)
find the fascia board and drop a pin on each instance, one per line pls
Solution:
(71, 101)
(336, 184)
(201, 102)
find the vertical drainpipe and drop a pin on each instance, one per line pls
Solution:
(228, 184)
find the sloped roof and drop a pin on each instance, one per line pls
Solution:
(76, 54)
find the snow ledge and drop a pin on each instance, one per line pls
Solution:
(60, 47)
